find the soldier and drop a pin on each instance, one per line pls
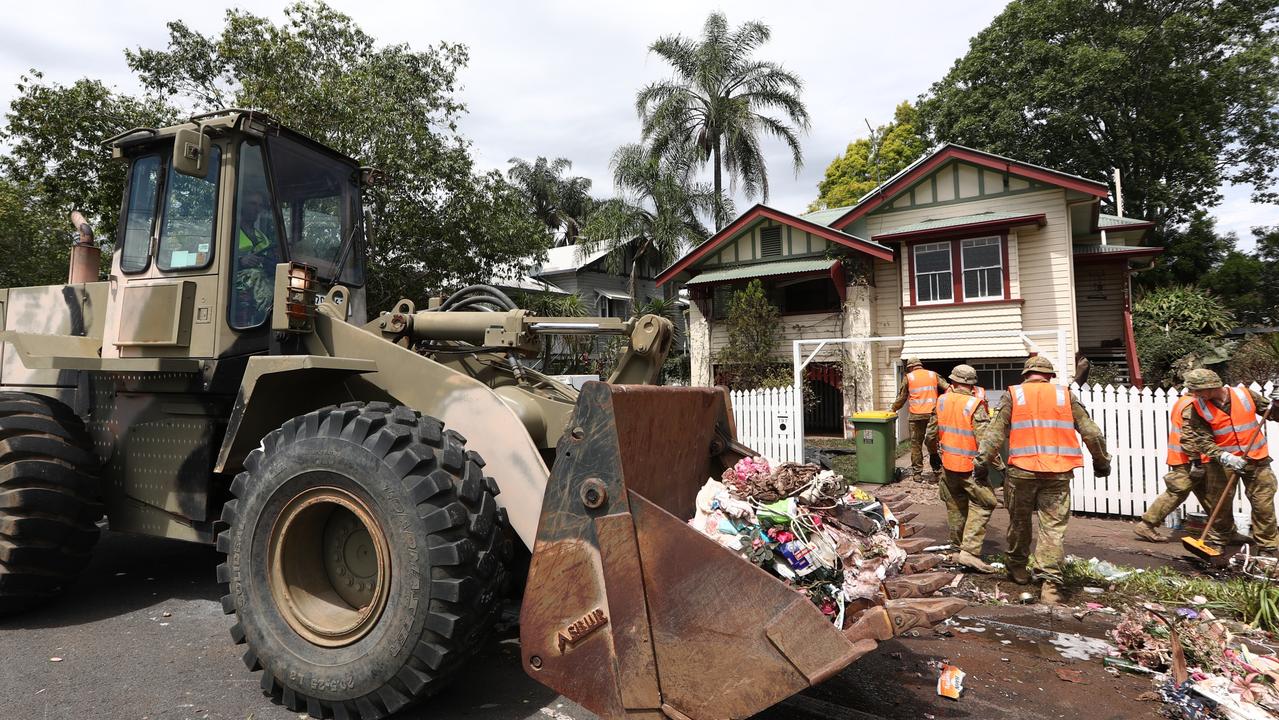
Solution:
(1039, 420)
(952, 435)
(1222, 423)
(920, 389)
(1182, 479)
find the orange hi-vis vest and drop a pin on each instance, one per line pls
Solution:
(1042, 436)
(955, 437)
(922, 385)
(1176, 455)
(1238, 431)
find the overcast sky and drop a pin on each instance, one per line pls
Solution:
(558, 78)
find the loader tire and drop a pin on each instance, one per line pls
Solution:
(49, 499)
(365, 559)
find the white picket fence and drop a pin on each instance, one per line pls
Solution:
(765, 421)
(1135, 424)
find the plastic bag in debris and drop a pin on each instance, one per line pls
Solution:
(1109, 570)
(950, 683)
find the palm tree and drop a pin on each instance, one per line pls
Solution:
(720, 99)
(655, 213)
(559, 202)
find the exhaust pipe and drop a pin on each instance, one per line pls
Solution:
(86, 256)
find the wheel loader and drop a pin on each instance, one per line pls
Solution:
(368, 476)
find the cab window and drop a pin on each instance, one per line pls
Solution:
(187, 230)
(319, 198)
(254, 241)
(139, 220)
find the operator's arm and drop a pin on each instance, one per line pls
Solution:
(902, 394)
(1088, 431)
(996, 431)
(930, 435)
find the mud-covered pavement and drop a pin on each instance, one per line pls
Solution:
(142, 635)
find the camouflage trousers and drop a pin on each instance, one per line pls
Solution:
(1259, 487)
(1047, 495)
(1178, 485)
(969, 503)
(918, 428)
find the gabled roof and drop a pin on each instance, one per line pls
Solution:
(568, 258)
(758, 270)
(827, 216)
(760, 212)
(962, 223)
(950, 151)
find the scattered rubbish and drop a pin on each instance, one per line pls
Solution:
(835, 544)
(1079, 647)
(1199, 600)
(1026, 597)
(939, 548)
(950, 683)
(55, 659)
(40, 690)
(166, 614)
(1094, 590)
(1109, 570)
(1071, 676)
(998, 565)
(1115, 663)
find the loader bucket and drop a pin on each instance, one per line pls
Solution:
(631, 612)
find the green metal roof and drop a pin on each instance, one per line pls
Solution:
(768, 269)
(953, 222)
(1105, 222)
(1099, 249)
(827, 216)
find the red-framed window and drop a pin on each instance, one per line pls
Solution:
(962, 270)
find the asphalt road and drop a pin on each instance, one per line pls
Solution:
(142, 637)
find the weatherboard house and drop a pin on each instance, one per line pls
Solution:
(960, 242)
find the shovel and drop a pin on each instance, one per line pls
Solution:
(1197, 546)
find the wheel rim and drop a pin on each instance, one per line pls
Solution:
(330, 566)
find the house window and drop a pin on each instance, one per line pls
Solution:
(998, 375)
(934, 281)
(615, 308)
(770, 242)
(983, 268)
(807, 296)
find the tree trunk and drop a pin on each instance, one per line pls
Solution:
(640, 249)
(719, 187)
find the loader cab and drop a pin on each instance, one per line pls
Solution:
(204, 223)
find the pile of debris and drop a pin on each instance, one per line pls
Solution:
(835, 544)
(1203, 666)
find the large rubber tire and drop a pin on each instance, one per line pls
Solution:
(49, 499)
(448, 555)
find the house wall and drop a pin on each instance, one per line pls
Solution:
(1099, 294)
(793, 327)
(745, 248)
(958, 181)
(1041, 275)
(586, 283)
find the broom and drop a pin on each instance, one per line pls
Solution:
(1197, 545)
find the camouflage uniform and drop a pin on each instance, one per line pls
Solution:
(1179, 483)
(1257, 478)
(1046, 494)
(918, 424)
(969, 502)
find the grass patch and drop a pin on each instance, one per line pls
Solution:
(1255, 602)
(845, 465)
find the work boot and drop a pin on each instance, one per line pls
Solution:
(1149, 533)
(970, 560)
(1050, 594)
(1019, 575)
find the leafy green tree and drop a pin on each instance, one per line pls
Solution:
(56, 161)
(867, 162)
(559, 202)
(1191, 252)
(655, 214)
(721, 99)
(1176, 328)
(1239, 280)
(753, 325)
(437, 221)
(35, 241)
(1179, 96)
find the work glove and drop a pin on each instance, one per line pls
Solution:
(980, 472)
(1232, 461)
(1101, 468)
(935, 461)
